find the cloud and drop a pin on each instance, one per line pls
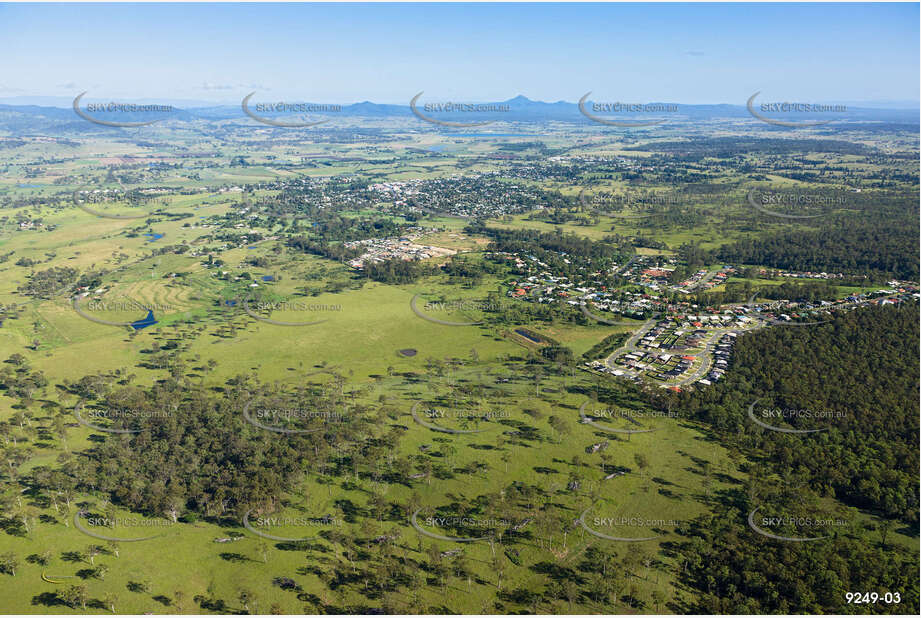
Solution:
(68, 86)
(210, 86)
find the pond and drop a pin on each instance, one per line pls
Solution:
(527, 335)
(148, 321)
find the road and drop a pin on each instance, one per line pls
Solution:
(630, 344)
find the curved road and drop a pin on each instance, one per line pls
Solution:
(630, 344)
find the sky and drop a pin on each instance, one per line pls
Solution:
(386, 53)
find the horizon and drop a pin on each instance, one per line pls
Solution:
(63, 102)
(345, 54)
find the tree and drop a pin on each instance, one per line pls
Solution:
(110, 599)
(641, 461)
(264, 551)
(657, 598)
(91, 552)
(498, 566)
(179, 599)
(8, 563)
(74, 596)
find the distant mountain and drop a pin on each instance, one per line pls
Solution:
(56, 113)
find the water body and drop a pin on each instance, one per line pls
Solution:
(268, 278)
(148, 321)
(30, 186)
(436, 148)
(153, 237)
(527, 335)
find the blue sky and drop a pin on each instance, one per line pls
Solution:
(703, 53)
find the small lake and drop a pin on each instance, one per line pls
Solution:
(527, 335)
(153, 237)
(148, 321)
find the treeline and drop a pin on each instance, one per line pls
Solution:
(730, 569)
(336, 228)
(195, 454)
(742, 291)
(56, 280)
(324, 249)
(606, 346)
(863, 368)
(529, 240)
(881, 249)
(726, 147)
(397, 271)
(855, 379)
